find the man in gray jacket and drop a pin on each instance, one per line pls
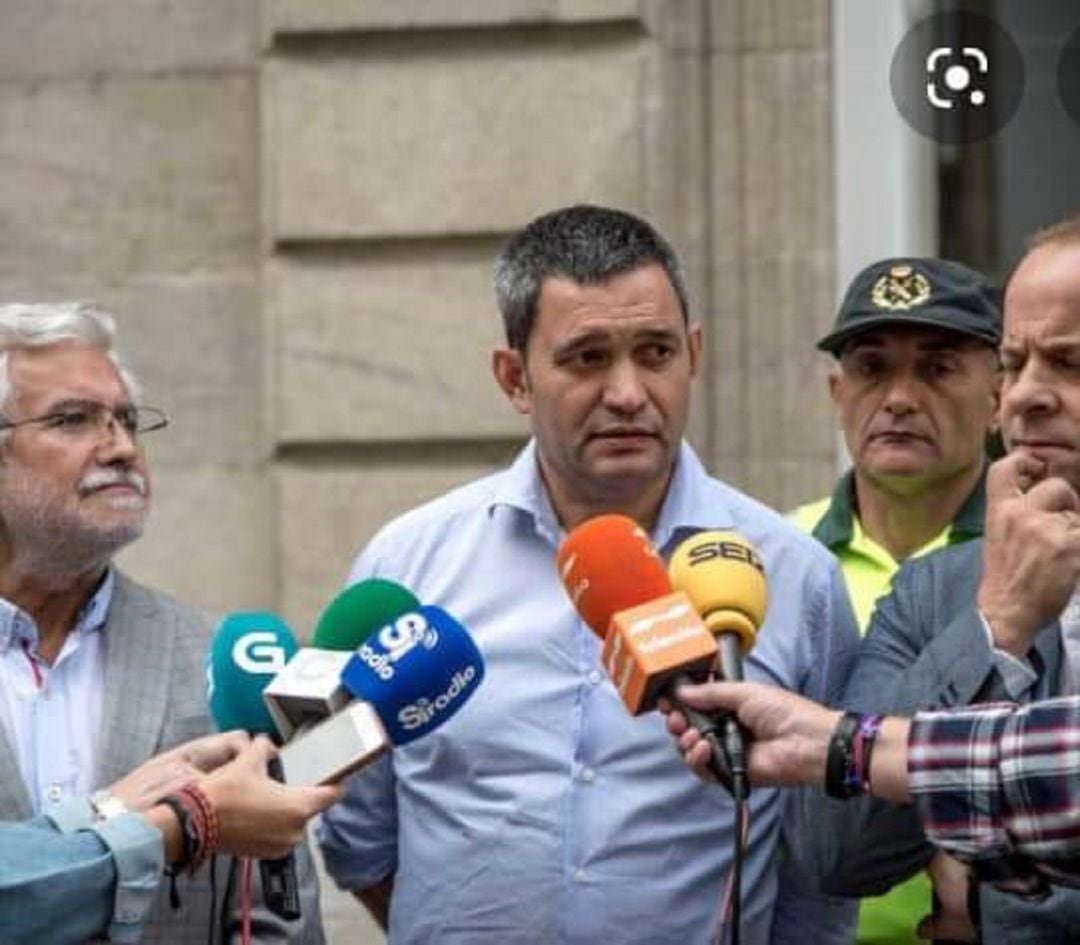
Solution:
(97, 673)
(996, 619)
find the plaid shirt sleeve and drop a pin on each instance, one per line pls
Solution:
(999, 786)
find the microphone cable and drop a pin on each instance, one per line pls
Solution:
(245, 900)
(731, 910)
(735, 751)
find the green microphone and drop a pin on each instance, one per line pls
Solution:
(358, 611)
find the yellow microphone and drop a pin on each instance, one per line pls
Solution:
(724, 577)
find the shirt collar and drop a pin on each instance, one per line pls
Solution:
(969, 520)
(690, 503)
(837, 525)
(16, 625)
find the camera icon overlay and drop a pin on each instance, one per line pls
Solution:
(950, 74)
(957, 77)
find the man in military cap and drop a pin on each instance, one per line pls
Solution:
(989, 620)
(915, 387)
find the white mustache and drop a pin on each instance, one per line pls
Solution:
(99, 478)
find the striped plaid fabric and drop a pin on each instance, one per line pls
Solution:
(999, 785)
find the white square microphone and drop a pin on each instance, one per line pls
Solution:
(307, 690)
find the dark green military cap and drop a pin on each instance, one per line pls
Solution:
(935, 293)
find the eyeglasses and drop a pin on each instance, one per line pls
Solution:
(83, 417)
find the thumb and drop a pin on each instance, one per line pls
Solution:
(322, 796)
(713, 695)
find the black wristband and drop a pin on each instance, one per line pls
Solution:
(188, 833)
(840, 779)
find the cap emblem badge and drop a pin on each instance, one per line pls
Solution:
(900, 289)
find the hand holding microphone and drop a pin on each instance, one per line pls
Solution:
(412, 669)
(258, 816)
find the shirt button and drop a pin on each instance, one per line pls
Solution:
(588, 775)
(55, 792)
(596, 677)
(579, 876)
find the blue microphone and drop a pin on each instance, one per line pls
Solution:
(417, 672)
(248, 650)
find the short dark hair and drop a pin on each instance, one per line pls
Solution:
(584, 243)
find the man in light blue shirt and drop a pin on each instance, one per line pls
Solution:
(543, 811)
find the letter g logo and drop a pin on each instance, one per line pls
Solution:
(259, 652)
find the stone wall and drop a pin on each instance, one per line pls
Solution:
(294, 207)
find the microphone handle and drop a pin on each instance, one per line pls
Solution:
(281, 891)
(729, 660)
(729, 665)
(710, 728)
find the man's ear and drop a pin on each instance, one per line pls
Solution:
(695, 341)
(508, 366)
(834, 383)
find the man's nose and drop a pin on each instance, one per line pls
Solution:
(1032, 392)
(115, 440)
(900, 394)
(624, 389)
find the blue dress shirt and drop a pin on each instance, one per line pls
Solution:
(65, 879)
(52, 714)
(543, 812)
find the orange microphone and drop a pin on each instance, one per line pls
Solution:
(654, 639)
(652, 635)
(608, 564)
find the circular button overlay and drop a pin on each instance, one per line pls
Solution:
(958, 77)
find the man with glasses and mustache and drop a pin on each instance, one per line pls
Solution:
(97, 673)
(915, 389)
(995, 619)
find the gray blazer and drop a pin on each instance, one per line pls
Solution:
(927, 649)
(155, 697)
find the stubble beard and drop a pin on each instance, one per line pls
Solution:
(52, 541)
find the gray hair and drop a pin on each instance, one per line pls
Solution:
(40, 324)
(583, 243)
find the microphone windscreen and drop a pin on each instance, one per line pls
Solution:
(417, 672)
(608, 564)
(725, 578)
(358, 611)
(246, 652)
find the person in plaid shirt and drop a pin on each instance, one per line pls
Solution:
(996, 785)
(990, 620)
